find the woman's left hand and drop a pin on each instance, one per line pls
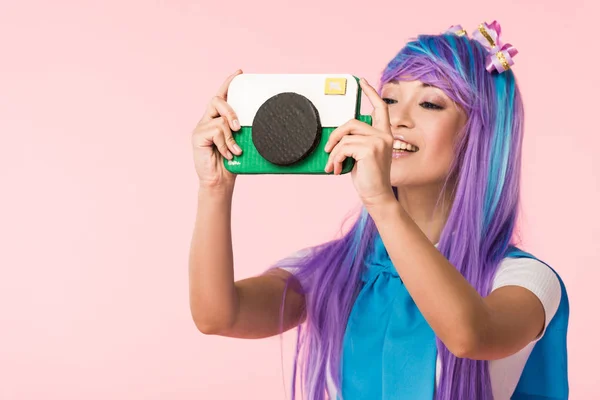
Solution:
(371, 148)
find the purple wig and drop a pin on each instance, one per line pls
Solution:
(485, 179)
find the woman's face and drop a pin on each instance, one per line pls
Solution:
(426, 123)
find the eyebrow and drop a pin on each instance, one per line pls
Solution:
(423, 84)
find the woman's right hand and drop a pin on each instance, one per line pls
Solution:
(212, 139)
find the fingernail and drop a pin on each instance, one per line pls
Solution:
(236, 124)
(237, 149)
(229, 155)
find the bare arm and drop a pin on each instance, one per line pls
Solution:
(470, 326)
(249, 308)
(219, 305)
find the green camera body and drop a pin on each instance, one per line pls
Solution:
(286, 120)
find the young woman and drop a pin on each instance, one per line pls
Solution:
(426, 296)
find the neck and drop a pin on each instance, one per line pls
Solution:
(427, 208)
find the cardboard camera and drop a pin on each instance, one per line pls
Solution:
(286, 120)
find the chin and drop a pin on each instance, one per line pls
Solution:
(401, 182)
(406, 180)
(401, 177)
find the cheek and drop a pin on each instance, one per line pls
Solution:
(439, 139)
(437, 152)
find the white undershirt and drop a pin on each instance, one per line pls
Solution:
(525, 272)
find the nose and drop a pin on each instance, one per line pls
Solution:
(400, 117)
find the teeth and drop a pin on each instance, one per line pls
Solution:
(402, 146)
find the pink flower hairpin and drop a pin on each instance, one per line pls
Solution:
(457, 30)
(500, 56)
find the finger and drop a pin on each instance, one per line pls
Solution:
(381, 118)
(222, 92)
(352, 150)
(220, 142)
(211, 110)
(339, 153)
(215, 133)
(227, 135)
(354, 127)
(218, 107)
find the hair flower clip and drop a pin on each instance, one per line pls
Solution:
(457, 30)
(500, 56)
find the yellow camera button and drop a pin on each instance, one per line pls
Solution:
(335, 86)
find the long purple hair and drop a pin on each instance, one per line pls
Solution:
(485, 179)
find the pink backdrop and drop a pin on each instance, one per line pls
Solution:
(98, 200)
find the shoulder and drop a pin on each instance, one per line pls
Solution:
(525, 271)
(290, 262)
(534, 276)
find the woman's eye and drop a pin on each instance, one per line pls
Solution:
(431, 106)
(389, 101)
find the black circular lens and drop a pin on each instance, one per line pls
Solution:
(286, 129)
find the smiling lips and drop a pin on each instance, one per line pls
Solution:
(401, 146)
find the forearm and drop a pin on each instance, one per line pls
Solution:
(449, 303)
(213, 298)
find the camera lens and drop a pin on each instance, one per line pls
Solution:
(286, 128)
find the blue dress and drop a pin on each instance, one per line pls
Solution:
(389, 349)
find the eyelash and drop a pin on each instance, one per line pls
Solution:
(426, 104)
(431, 106)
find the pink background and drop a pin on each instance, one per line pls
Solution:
(97, 102)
